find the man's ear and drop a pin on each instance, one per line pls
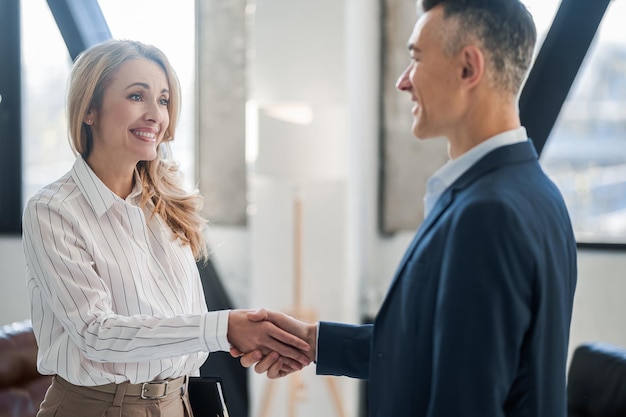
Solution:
(473, 65)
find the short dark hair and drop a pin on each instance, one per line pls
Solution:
(504, 28)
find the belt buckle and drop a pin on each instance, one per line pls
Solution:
(146, 386)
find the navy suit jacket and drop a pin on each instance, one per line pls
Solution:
(476, 321)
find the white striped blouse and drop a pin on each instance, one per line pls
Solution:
(114, 296)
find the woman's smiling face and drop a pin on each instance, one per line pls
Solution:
(134, 115)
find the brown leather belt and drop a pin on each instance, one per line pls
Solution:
(152, 390)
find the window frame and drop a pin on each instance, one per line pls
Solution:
(10, 119)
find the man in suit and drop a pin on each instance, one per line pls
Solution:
(476, 321)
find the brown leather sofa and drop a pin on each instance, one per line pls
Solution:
(22, 388)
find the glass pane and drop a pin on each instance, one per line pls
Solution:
(586, 151)
(543, 12)
(45, 69)
(47, 64)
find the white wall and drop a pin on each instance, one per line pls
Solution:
(599, 307)
(300, 98)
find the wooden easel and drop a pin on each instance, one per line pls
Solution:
(296, 385)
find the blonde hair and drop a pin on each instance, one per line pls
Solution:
(161, 179)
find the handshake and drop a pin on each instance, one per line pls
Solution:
(277, 343)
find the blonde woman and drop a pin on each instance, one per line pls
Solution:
(111, 249)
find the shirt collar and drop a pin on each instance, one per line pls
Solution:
(98, 195)
(454, 168)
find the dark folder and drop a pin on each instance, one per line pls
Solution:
(206, 396)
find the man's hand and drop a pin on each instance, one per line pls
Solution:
(252, 331)
(275, 364)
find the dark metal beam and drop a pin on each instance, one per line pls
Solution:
(10, 119)
(81, 23)
(557, 64)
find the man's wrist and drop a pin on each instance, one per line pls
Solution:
(313, 340)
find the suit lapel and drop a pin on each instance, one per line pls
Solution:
(505, 155)
(438, 209)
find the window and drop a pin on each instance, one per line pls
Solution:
(46, 67)
(586, 152)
